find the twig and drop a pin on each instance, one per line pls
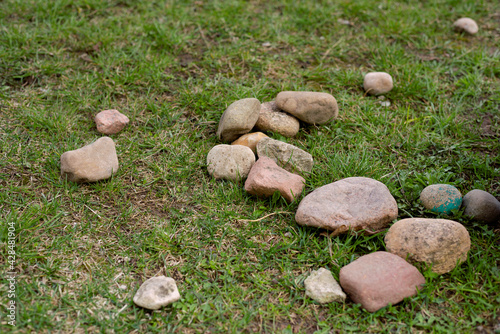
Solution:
(257, 220)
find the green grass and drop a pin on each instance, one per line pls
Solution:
(173, 67)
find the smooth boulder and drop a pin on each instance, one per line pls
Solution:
(271, 118)
(266, 177)
(379, 279)
(376, 83)
(466, 25)
(323, 288)
(441, 198)
(230, 162)
(351, 204)
(287, 156)
(309, 107)
(482, 206)
(91, 163)
(438, 242)
(238, 119)
(157, 292)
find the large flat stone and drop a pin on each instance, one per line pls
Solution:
(310, 107)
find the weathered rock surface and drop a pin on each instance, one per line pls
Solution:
(376, 83)
(439, 242)
(94, 162)
(230, 162)
(238, 119)
(442, 198)
(351, 204)
(482, 206)
(310, 107)
(110, 121)
(271, 118)
(157, 292)
(379, 279)
(466, 25)
(266, 177)
(287, 156)
(323, 288)
(250, 140)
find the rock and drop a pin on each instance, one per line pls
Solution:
(466, 25)
(94, 162)
(266, 177)
(379, 279)
(482, 206)
(323, 288)
(441, 198)
(377, 83)
(238, 119)
(157, 292)
(110, 121)
(287, 156)
(250, 140)
(230, 162)
(439, 242)
(351, 204)
(310, 107)
(271, 118)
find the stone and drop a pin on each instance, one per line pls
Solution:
(309, 107)
(110, 122)
(438, 242)
(157, 292)
(250, 140)
(377, 83)
(271, 118)
(91, 163)
(323, 288)
(238, 119)
(230, 162)
(287, 156)
(348, 205)
(482, 206)
(379, 279)
(441, 198)
(266, 177)
(466, 25)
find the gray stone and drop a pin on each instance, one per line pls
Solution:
(466, 25)
(94, 162)
(438, 242)
(442, 198)
(230, 162)
(310, 107)
(157, 292)
(238, 119)
(348, 205)
(287, 156)
(376, 83)
(110, 121)
(271, 118)
(323, 288)
(266, 177)
(482, 206)
(379, 279)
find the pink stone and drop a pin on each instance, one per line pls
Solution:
(266, 177)
(379, 279)
(110, 121)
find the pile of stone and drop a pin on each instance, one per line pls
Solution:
(280, 165)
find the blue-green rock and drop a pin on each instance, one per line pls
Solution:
(441, 198)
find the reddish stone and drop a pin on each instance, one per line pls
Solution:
(110, 122)
(266, 177)
(379, 279)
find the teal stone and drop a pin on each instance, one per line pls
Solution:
(441, 198)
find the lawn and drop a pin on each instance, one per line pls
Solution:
(173, 67)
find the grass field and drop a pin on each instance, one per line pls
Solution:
(173, 67)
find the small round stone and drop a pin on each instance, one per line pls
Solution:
(466, 25)
(441, 198)
(377, 83)
(482, 206)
